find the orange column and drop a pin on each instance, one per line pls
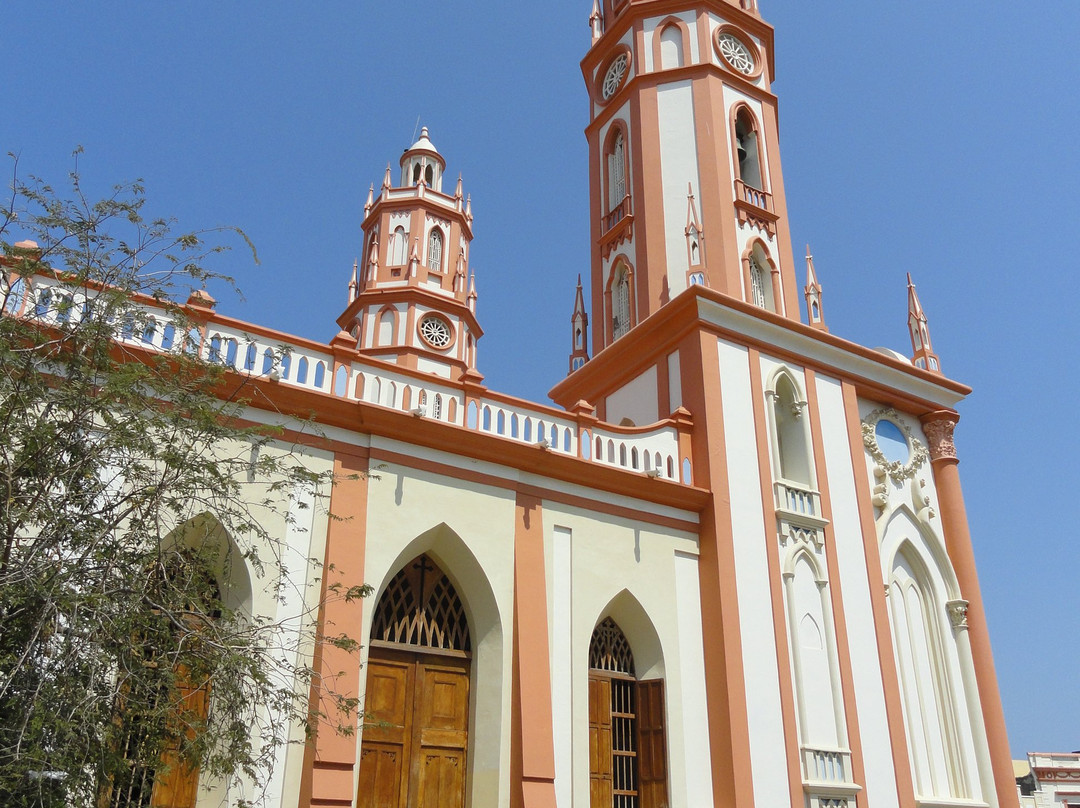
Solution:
(938, 428)
(534, 755)
(330, 757)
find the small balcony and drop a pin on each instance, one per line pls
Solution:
(827, 772)
(755, 207)
(798, 503)
(616, 226)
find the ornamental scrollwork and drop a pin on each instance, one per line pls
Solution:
(895, 469)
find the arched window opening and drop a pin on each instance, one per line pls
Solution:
(436, 407)
(759, 269)
(395, 256)
(215, 348)
(386, 328)
(416, 174)
(13, 295)
(746, 146)
(149, 331)
(231, 349)
(435, 249)
(620, 302)
(627, 738)
(301, 370)
(617, 171)
(421, 607)
(791, 452)
(250, 356)
(429, 176)
(671, 47)
(921, 642)
(268, 361)
(320, 374)
(168, 336)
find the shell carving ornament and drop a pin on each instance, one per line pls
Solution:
(895, 469)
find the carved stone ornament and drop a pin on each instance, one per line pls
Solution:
(939, 432)
(897, 471)
(958, 613)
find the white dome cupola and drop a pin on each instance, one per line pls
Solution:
(422, 161)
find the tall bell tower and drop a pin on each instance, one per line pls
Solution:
(412, 300)
(685, 185)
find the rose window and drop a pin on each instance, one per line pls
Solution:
(735, 53)
(614, 76)
(435, 331)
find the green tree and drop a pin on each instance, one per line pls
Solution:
(121, 660)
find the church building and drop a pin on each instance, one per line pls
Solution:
(730, 566)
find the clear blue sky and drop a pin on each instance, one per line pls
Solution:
(924, 137)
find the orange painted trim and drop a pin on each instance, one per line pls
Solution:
(725, 686)
(331, 756)
(954, 524)
(843, 647)
(890, 682)
(661, 331)
(772, 552)
(532, 660)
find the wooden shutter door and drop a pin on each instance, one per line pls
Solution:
(600, 776)
(387, 733)
(652, 746)
(176, 783)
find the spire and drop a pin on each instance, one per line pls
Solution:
(579, 330)
(923, 352)
(373, 262)
(414, 258)
(471, 299)
(353, 285)
(695, 239)
(468, 207)
(459, 273)
(458, 195)
(370, 200)
(596, 21)
(812, 292)
(387, 182)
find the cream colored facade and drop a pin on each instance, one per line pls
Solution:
(761, 520)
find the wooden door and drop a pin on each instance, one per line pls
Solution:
(601, 793)
(413, 753)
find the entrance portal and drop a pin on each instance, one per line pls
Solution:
(416, 708)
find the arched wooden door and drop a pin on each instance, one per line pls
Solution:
(416, 707)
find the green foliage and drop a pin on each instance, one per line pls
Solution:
(129, 495)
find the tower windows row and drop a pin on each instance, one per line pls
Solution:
(397, 253)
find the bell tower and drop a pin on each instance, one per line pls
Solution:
(683, 149)
(412, 299)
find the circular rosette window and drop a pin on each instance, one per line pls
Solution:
(613, 76)
(735, 52)
(435, 331)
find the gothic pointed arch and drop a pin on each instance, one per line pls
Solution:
(671, 44)
(617, 171)
(620, 298)
(790, 429)
(761, 276)
(627, 714)
(421, 608)
(746, 144)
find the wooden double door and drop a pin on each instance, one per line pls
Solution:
(413, 752)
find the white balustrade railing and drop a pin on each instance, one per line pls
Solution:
(826, 765)
(299, 364)
(797, 499)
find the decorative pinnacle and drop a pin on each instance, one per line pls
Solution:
(457, 193)
(468, 207)
(387, 183)
(596, 21)
(370, 200)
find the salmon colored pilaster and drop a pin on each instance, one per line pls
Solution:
(890, 682)
(717, 209)
(533, 726)
(783, 654)
(330, 757)
(725, 687)
(938, 428)
(784, 255)
(851, 717)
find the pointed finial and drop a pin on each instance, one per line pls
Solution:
(579, 331)
(457, 192)
(353, 285)
(387, 182)
(812, 294)
(370, 200)
(414, 257)
(919, 330)
(596, 21)
(373, 261)
(468, 207)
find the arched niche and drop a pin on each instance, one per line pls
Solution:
(640, 632)
(206, 536)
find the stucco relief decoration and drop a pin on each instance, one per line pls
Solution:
(940, 434)
(443, 223)
(897, 470)
(958, 613)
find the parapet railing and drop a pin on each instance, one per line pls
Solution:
(660, 450)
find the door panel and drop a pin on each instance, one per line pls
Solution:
(600, 770)
(415, 732)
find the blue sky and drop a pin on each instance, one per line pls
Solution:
(924, 137)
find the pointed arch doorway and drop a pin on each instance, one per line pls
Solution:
(416, 707)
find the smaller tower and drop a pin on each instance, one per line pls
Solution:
(923, 355)
(812, 292)
(414, 301)
(579, 327)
